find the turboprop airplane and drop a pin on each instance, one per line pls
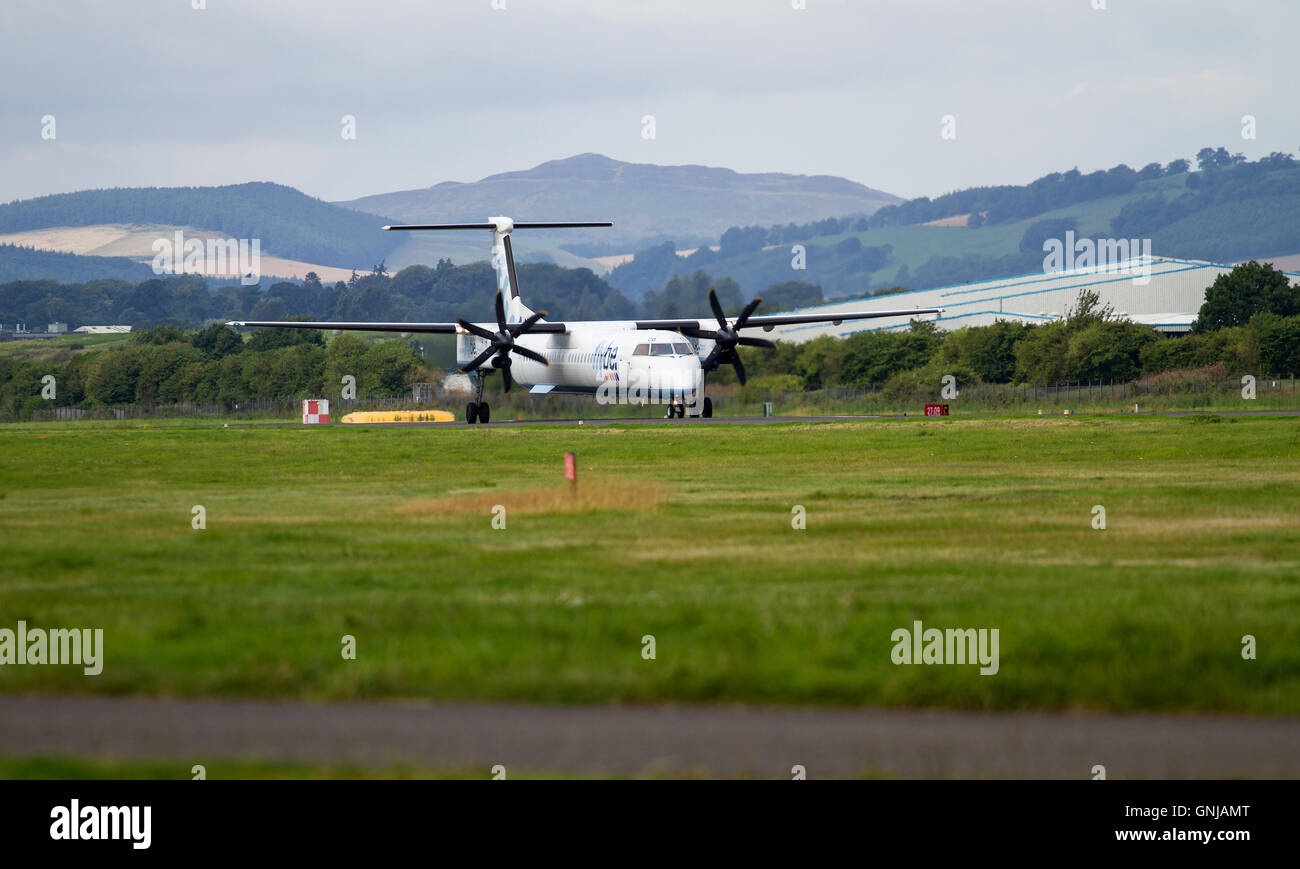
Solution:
(617, 361)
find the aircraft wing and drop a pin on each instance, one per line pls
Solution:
(447, 328)
(768, 321)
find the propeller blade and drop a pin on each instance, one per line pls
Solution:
(692, 332)
(711, 361)
(501, 313)
(476, 330)
(749, 309)
(530, 354)
(740, 368)
(756, 342)
(518, 329)
(479, 359)
(506, 380)
(717, 308)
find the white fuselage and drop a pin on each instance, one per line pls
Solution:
(611, 359)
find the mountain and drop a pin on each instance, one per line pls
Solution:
(645, 201)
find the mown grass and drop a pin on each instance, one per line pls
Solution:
(682, 533)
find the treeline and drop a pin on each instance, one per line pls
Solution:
(1007, 203)
(417, 293)
(1249, 322)
(214, 365)
(1231, 209)
(19, 262)
(441, 293)
(289, 223)
(742, 258)
(1089, 345)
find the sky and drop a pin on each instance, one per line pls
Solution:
(914, 97)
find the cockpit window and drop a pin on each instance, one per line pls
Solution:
(682, 349)
(641, 350)
(661, 350)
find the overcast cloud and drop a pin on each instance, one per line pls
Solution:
(153, 92)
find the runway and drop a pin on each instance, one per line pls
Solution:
(722, 741)
(753, 420)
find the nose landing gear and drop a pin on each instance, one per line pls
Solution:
(478, 410)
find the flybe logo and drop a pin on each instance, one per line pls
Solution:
(606, 356)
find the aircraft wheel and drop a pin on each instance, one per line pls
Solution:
(484, 412)
(471, 412)
(708, 407)
(681, 411)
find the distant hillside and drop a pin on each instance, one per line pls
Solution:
(1231, 210)
(645, 201)
(289, 223)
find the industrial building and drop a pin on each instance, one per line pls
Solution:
(1165, 294)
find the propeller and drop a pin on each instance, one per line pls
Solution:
(726, 337)
(502, 342)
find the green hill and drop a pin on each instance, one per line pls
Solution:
(289, 223)
(1226, 212)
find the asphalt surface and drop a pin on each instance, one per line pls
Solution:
(637, 740)
(748, 420)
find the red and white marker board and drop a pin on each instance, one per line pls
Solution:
(571, 467)
(315, 411)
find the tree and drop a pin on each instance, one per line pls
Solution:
(1279, 343)
(274, 338)
(1149, 171)
(1250, 288)
(988, 351)
(217, 340)
(688, 296)
(1048, 228)
(791, 294)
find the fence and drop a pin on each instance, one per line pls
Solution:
(1190, 391)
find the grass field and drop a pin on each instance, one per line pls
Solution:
(683, 533)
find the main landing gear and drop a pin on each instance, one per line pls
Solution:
(478, 410)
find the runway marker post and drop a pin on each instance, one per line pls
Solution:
(571, 471)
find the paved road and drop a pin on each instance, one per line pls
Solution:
(711, 740)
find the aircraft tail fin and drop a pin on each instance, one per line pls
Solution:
(503, 257)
